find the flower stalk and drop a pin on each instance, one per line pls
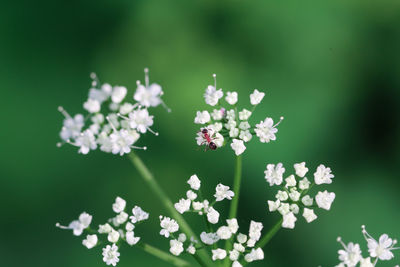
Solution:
(149, 179)
(236, 186)
(163, 255)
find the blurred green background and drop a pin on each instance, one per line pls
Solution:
(332, 68)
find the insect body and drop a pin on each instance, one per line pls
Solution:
(208, 138)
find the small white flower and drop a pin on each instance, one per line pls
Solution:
(304, 183)
(218, 254)
(224, 232)
(182, 237)
(233, 132)
(176, 247)
(233, 225)
(111, 255)
(92, 106)
(294, 208)
(273, 205)
(71, 126)
(231, 115)
(105, 228)
(244, 125)
(191, 249)
(230, 124)
(212, 215)
(131, 239)
(140, 120)
(309, 215)
(289, 220)
(231, 97)
(256, 97)
(209, 238)
(191, 195)
(168, 226)
(197, 205)
(118, 94)
(266, 130)
(212, 95)
(255, 230)
(85, 219)
(217, 114)
(366, 262)
(284, 208)
(194, 182)
(307, 200)
(119, 205)
(244, 115)
(183, 205)
(323, 175)
(113, 236)
(324, 199)
(236, 264)
(148, 96)
(301, 169)
(122, 141)
(238, 146)
(294, 195)
(126, 108)
(222, 192)
(234, 255)
(238, 246)
(290, 181)
(202, 117)
(245, 135)
(86, 141)
(282, 195)
(379, 249)
(120, 218)
(255, 254)
(129, 227)
(351, 254)
(90, 241)
(138, 215)
(274, 175)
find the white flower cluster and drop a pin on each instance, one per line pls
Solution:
(113, 124)
(381, 249)
(243, 245)
(119, 227)
(230, 123)
(293, 198)
(168, 228)
(202, 206)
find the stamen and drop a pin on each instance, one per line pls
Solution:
(139, 147)
(366, 234)
(59, 144)
(64, 112)
(279, 122)
(137, 82)
(165, 106)
(58, 225)
(71, 143)
(215, 81)
(146, 77)
(95, 79)
(339, 239)
(153, 132)
(112, 125)
(122, 116)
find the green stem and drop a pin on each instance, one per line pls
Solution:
(163, 255)
(236, 187)
(267, 237)
(158, 191)
(235, 200)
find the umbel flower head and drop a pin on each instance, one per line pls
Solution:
(119, 228)
(243, 245)
(113, 123)
(227, 124)
(294, 198)
(380, 249)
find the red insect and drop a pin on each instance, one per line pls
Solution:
(208, 138)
